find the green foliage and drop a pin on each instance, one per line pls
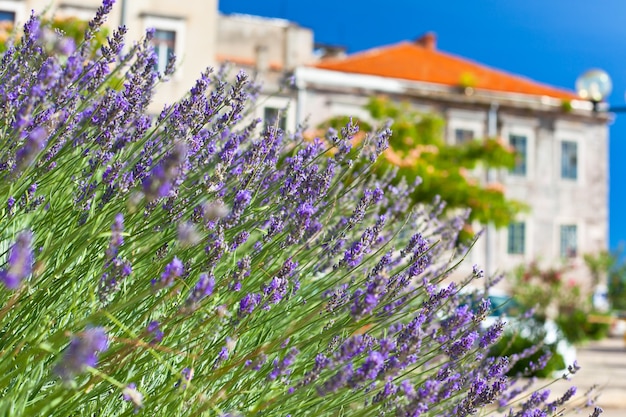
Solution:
(600, 264)
(418, 149)
(75, 28)
(544, 290)
(566, 106)
(515, 344)
(611, 265)
(577, 327)
(617, 289)
(70, 27)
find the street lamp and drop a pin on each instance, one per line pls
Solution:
(595, 85)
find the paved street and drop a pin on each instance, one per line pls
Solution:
(603, 364)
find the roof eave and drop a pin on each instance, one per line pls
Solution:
(311, 76)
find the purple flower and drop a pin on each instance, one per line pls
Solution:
(35, 143)
(19, 264)
(155, 329)
(117, 239)
(223, 355)
(248, 304)
(163, 176)
(172, 271)
(116, 269)
(82, 352)
(203, 288)
(186, 377)
(281, 367)
(187, 234)
(10, 204)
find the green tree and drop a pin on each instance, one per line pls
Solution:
(418, 149)
(69, 27)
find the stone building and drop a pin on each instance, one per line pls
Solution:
(562, 171)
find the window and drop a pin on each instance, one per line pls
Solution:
(568, 241)
(164, 42)
(12, 13)
(271, 115)
(169, 39)
(569, 160)
(517, 238)
(7, 16)
(462, 136)
(519, 143)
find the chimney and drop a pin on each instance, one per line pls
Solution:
(428, 40)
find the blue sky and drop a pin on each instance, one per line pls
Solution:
(551, 41)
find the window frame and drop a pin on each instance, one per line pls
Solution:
(162, 47)
(18, 8)
(527, 129)
(461, 141)
(282, 112)
(170, 24)
(576, 171)
(569, 132)
(516, 171)
(513, 241)
(564, 251)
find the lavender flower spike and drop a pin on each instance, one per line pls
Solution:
(20, 261)
(82, 352)
(35, 143)
(172, 271)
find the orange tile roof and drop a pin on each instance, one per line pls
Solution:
(420, 61)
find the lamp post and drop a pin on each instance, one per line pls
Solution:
(595, 85)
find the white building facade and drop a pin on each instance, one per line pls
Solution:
(562, 170)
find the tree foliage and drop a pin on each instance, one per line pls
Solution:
(71, 28)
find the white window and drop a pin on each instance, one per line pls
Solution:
(12, 13)
(169, 39)
(569, 160)
(516, 242)
(164, 42)
(569, 240)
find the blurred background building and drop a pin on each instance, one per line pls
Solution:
(562, 143)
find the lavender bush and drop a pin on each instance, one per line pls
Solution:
(194, 264)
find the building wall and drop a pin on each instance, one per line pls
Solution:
(193, 21)
(268, 50)
(263, 43)
(554, 201)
